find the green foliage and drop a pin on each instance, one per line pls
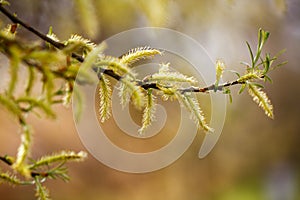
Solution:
(129, 88)
(166, 77)
(220, 67)
(59, 157)
(149, 111)
(261, 99)
(105, 98)
(192, 105)
(59, 62)
(11, 179)
(258, 71)
(23, 152)
(78, 44)
(139, 53)
(42, 192)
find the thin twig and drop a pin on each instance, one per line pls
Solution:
(6, 160)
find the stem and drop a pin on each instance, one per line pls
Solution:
(6, 160)
(110, 73)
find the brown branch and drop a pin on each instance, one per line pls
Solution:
(108, 72)
(6, 160)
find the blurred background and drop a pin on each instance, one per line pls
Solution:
(255, 158)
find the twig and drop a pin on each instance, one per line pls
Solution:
(6, 160)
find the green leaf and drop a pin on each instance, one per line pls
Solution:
(23, 152)
(148, 114)
(235, 72)
(91, 58)
(33, 102)
(60, 172)
(4, 3)
(129, 88)
(11, 105)
(116, 65)
(77, 43)
(257, 85)
(11, 179)
(267, 78)
(14, 68)
(243, 86)
(62, 156)
(78, 97)
(105, 94)
(262, 38)
(261, 99)
(220, 66)
(251, 53)
(228, 92)
(67, 92)
(30, 80)
(139, 53)
(42, 193)
(165, 76)
(192, 105)
(249, 76)
(267, 63)
(48, 84)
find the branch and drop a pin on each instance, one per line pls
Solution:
(6, 159)
(109, 72)
(16, 20)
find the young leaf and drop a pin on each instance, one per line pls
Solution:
(60, 172)
(129, 88)
(77, 96)
(228, 92)
(166, 76)
(105, 98)
(48, 84)
(59, 157)
(149, 111)
(261, 99)
(243, 86)
(235, 72)
(33, 102)
(77, 43)
(42, 192)
(192, 105)
(220, 66)
(9, 178)
(91, 58)
(14, 67)
(23, 152)
(5, 3)
(251, 53)
(68, 94)
(51, 35)
(116, 65)
(137, 54)
(30, 80)
(262, 38)
(249, 76)
(11, 105)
